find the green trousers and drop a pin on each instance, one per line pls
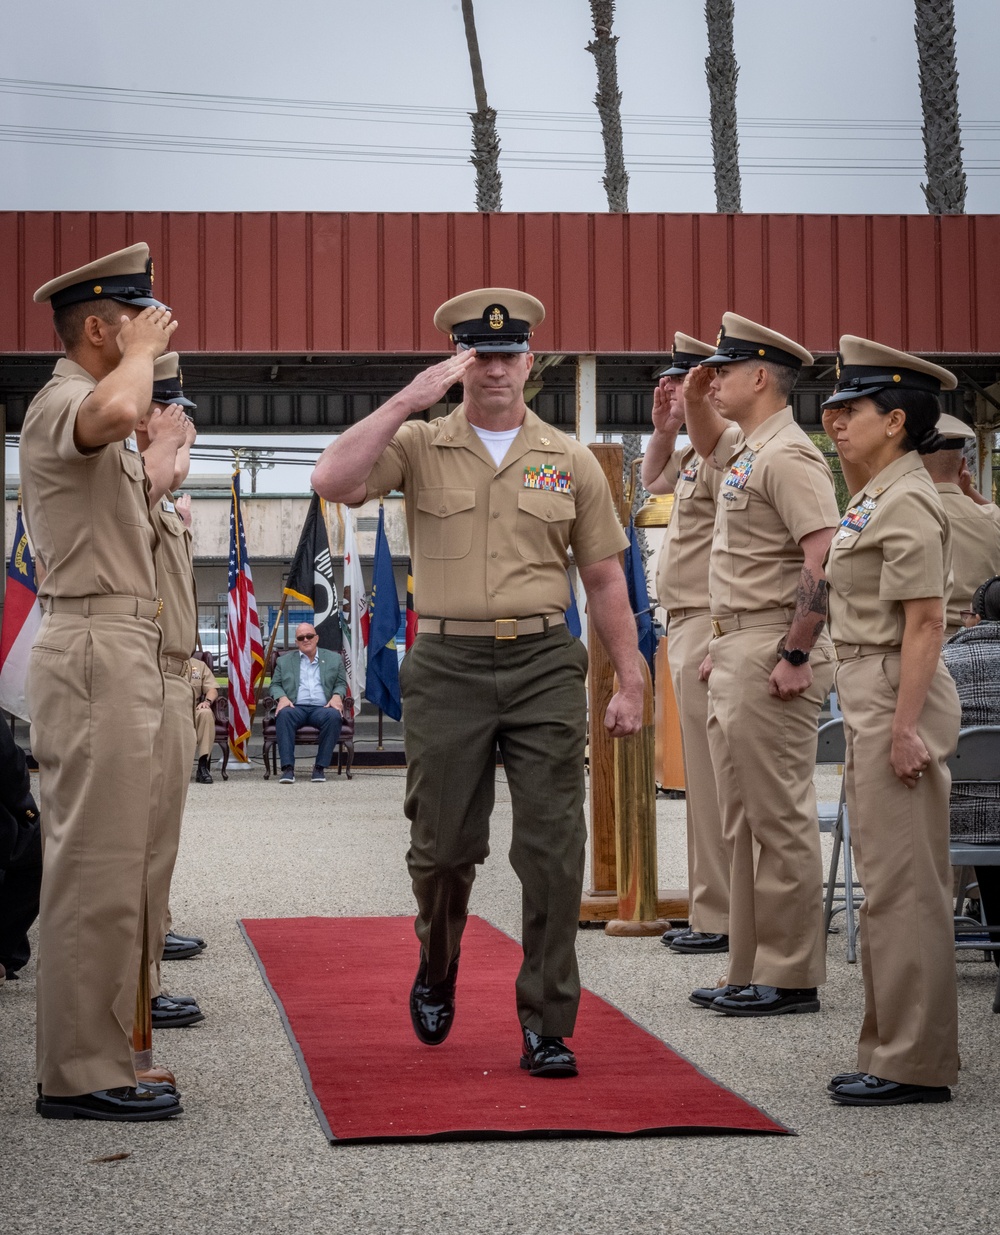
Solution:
(463, 698)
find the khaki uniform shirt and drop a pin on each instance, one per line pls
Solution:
(201, 677)
(975, 547)
(893, 544)
(491, 542)
(178, 619)
(682, 570)
(86, 514)
(776, 490)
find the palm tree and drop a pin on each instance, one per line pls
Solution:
(609, 104)
(485, 140)
(944, 191)
(722, 72)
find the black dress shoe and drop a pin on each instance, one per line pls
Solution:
(187, 999)
(159, 1087)
(675, 932)
(698, 942)
(181, 947)
(843, 1078)
(546, 1056)
(705, 996)
(873, 1091)
(203, 776)
(432, 1008)
(170, 1015)
(127, 1104)
(768, 1001)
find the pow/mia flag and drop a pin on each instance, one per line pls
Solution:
(310, 580)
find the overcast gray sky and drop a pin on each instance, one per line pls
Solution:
(334, 105)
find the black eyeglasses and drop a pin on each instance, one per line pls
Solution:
(305, 638)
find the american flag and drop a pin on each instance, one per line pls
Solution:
(246, 648)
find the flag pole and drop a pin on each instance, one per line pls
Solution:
(267, 656)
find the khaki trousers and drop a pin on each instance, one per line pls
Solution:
(764, 754)
(175, 750)
(899, 837)
(462, 699)
(204, 723)
(96, 696)
(707, 856)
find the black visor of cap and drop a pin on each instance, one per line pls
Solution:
(857, 381)
(730, 351)
(134, 289)
(495, 331)
(682, 363)
(169, 390)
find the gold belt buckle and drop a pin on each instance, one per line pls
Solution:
(508, 624)
(717, 628)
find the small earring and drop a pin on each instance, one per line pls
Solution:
(889, 434)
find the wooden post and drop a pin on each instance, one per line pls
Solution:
(142, 1027)
(635, 827)
(600, 901)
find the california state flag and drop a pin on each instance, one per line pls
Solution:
(22, 617)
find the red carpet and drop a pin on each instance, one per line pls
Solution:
(342, 986)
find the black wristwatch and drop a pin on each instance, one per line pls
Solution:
(795, 657)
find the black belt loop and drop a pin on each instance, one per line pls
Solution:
(545, 623)
(441, 627)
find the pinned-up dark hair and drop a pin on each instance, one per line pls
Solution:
(921, 409)
(986, 600)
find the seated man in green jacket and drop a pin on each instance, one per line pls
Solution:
(309, 685)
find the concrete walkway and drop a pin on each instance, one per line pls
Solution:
(248, 1156)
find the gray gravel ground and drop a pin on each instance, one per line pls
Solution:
(248, 1155)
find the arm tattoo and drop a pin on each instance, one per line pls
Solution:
(810, 595)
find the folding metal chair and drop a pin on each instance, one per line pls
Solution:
(831, 747)
(976, 761)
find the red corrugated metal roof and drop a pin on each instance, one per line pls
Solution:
(366, 283)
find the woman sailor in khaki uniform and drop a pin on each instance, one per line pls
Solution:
(889, 572)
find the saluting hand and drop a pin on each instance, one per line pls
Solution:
(431, 384)
(149, 332)
(696, 384)
(668, 415)
(169, 426)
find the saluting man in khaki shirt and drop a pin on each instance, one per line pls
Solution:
(165, 437)
(975, 522)
(495, 502)
(85, 506)
(682, 589)
(771, 664)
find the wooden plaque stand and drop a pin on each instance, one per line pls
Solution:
(600, 901)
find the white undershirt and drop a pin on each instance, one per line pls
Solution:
(497, 443)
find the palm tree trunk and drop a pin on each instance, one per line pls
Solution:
(722, 72)
(944, 191)
(609, 104)
(485, 139)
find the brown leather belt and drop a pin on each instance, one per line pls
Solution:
(854, 651)
(93, 606)
(755, 617)
(499, 628)
(176, 666)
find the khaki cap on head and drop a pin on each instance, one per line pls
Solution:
(686, 353)
(491, 319)
(741, 339)
(865, 367)
(125, 276)
(168, 381)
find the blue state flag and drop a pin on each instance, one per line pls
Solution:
(382, 682)
(638, 596)
(573, 623)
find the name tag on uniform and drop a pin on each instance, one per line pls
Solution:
(690, 472)
(739, 473)
(168, 505)
(131, 444)
(856, 518)
(545, 476)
